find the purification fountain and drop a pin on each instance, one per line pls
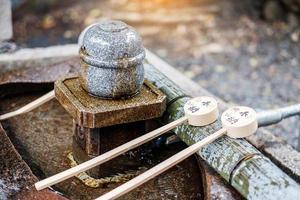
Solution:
(110, 101)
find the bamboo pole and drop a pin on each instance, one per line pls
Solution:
(236, 160)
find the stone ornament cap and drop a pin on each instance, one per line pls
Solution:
(201, 111)
(239, 121)
(111, 60)
(111, 44)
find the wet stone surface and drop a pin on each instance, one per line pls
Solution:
(16, 178)
(29, 78)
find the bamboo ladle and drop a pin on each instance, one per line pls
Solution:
(199, 111)
(238, 122)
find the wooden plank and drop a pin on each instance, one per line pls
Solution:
(92, 112)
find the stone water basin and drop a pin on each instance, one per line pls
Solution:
(43, 138)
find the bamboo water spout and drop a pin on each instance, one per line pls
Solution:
(269, 117)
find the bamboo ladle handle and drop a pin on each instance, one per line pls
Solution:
(29, 107)
(199, 111)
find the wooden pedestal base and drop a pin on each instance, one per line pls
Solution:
(91, 142)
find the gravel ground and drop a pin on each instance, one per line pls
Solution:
(225, 46)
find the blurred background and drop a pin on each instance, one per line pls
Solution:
(246, 52)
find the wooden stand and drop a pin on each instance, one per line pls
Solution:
(91, 142)
(100, 125)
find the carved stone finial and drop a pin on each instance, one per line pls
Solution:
(112, 55)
